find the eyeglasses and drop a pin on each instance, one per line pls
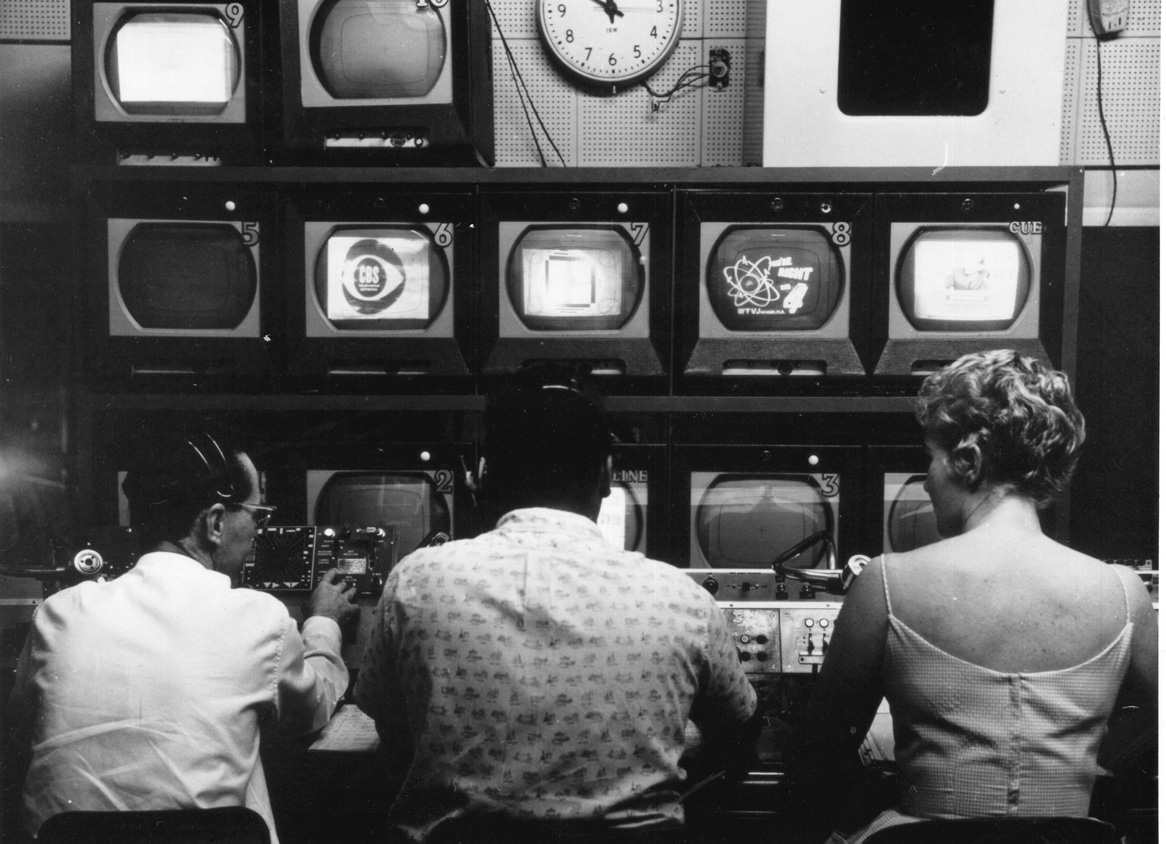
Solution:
(260, 513)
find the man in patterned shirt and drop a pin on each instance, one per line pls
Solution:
(537, 678)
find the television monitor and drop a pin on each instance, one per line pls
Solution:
(745, 520)
(960, 279)
(168, 82)
(766, 285)
(181, 290)
(634, 515)
(622, 515)
(182, 276)
(395, 81)
(740, 506)
(380, 278)
(773, 278)
(574, 279)
(416, 502)
(968, 273)
(908, 517)
(937, 84)
(385, 289)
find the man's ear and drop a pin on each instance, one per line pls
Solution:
(605, 479)
(967, 461)
(210, 524)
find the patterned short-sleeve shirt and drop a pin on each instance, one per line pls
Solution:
(539, 672)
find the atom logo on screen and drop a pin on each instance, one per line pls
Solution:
(774, 278)
(772, 285)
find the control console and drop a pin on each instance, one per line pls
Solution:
(775, 637)
(756, 585)
(284, 558)
(294, 558)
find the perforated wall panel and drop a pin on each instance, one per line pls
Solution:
(724, 19)
(696, 127)
(34, 20)
(1145, 19)
(754, 83)
(1130, 89)
(1069, 100)
(1130, 98)
(724, 128)
(553, 99)
(724, 124)
(624, 128)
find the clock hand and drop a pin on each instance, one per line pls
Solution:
(610, 8)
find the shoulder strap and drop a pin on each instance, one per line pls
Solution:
(886, 582)
(1125, 594)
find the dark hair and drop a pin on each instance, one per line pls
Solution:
(175, 475)
(1019, 412)
(544, 444)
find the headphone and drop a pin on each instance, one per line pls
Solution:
(212, 464)
(181, 466)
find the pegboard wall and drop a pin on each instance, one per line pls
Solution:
(34, 21)
(696, 127)
(704, 127)
(1130, 89)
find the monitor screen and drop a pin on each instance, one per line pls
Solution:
(377, 49)
(774, 278)
(909, 517)
(172, 63)
(383, 278)
(963, 279)
(185, 275)
(409, 501)
(622, 515)
(746, 520)
(561, 278)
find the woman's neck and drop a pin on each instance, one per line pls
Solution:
(999, 508)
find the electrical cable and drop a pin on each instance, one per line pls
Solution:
(689, 78)
(524, 96)
(1104, 125)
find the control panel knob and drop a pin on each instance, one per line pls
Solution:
(710, 583)
(88, 561)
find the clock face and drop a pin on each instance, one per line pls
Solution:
(610, 42)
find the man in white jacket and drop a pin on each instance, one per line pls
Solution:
(147, 692)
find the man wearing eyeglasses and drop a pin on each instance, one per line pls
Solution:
(147, 692)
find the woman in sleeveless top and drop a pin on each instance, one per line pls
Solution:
(1001, 652)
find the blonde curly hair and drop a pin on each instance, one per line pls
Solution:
(1019, 412)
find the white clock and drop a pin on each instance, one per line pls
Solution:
(610, 42)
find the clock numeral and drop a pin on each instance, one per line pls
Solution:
(588, 53)
(653, 33)
(659, 6)
(636, 51)
(612, 60)
(570, 36)
(562, 9)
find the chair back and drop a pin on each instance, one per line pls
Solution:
(226, 825)
(1057, 830)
